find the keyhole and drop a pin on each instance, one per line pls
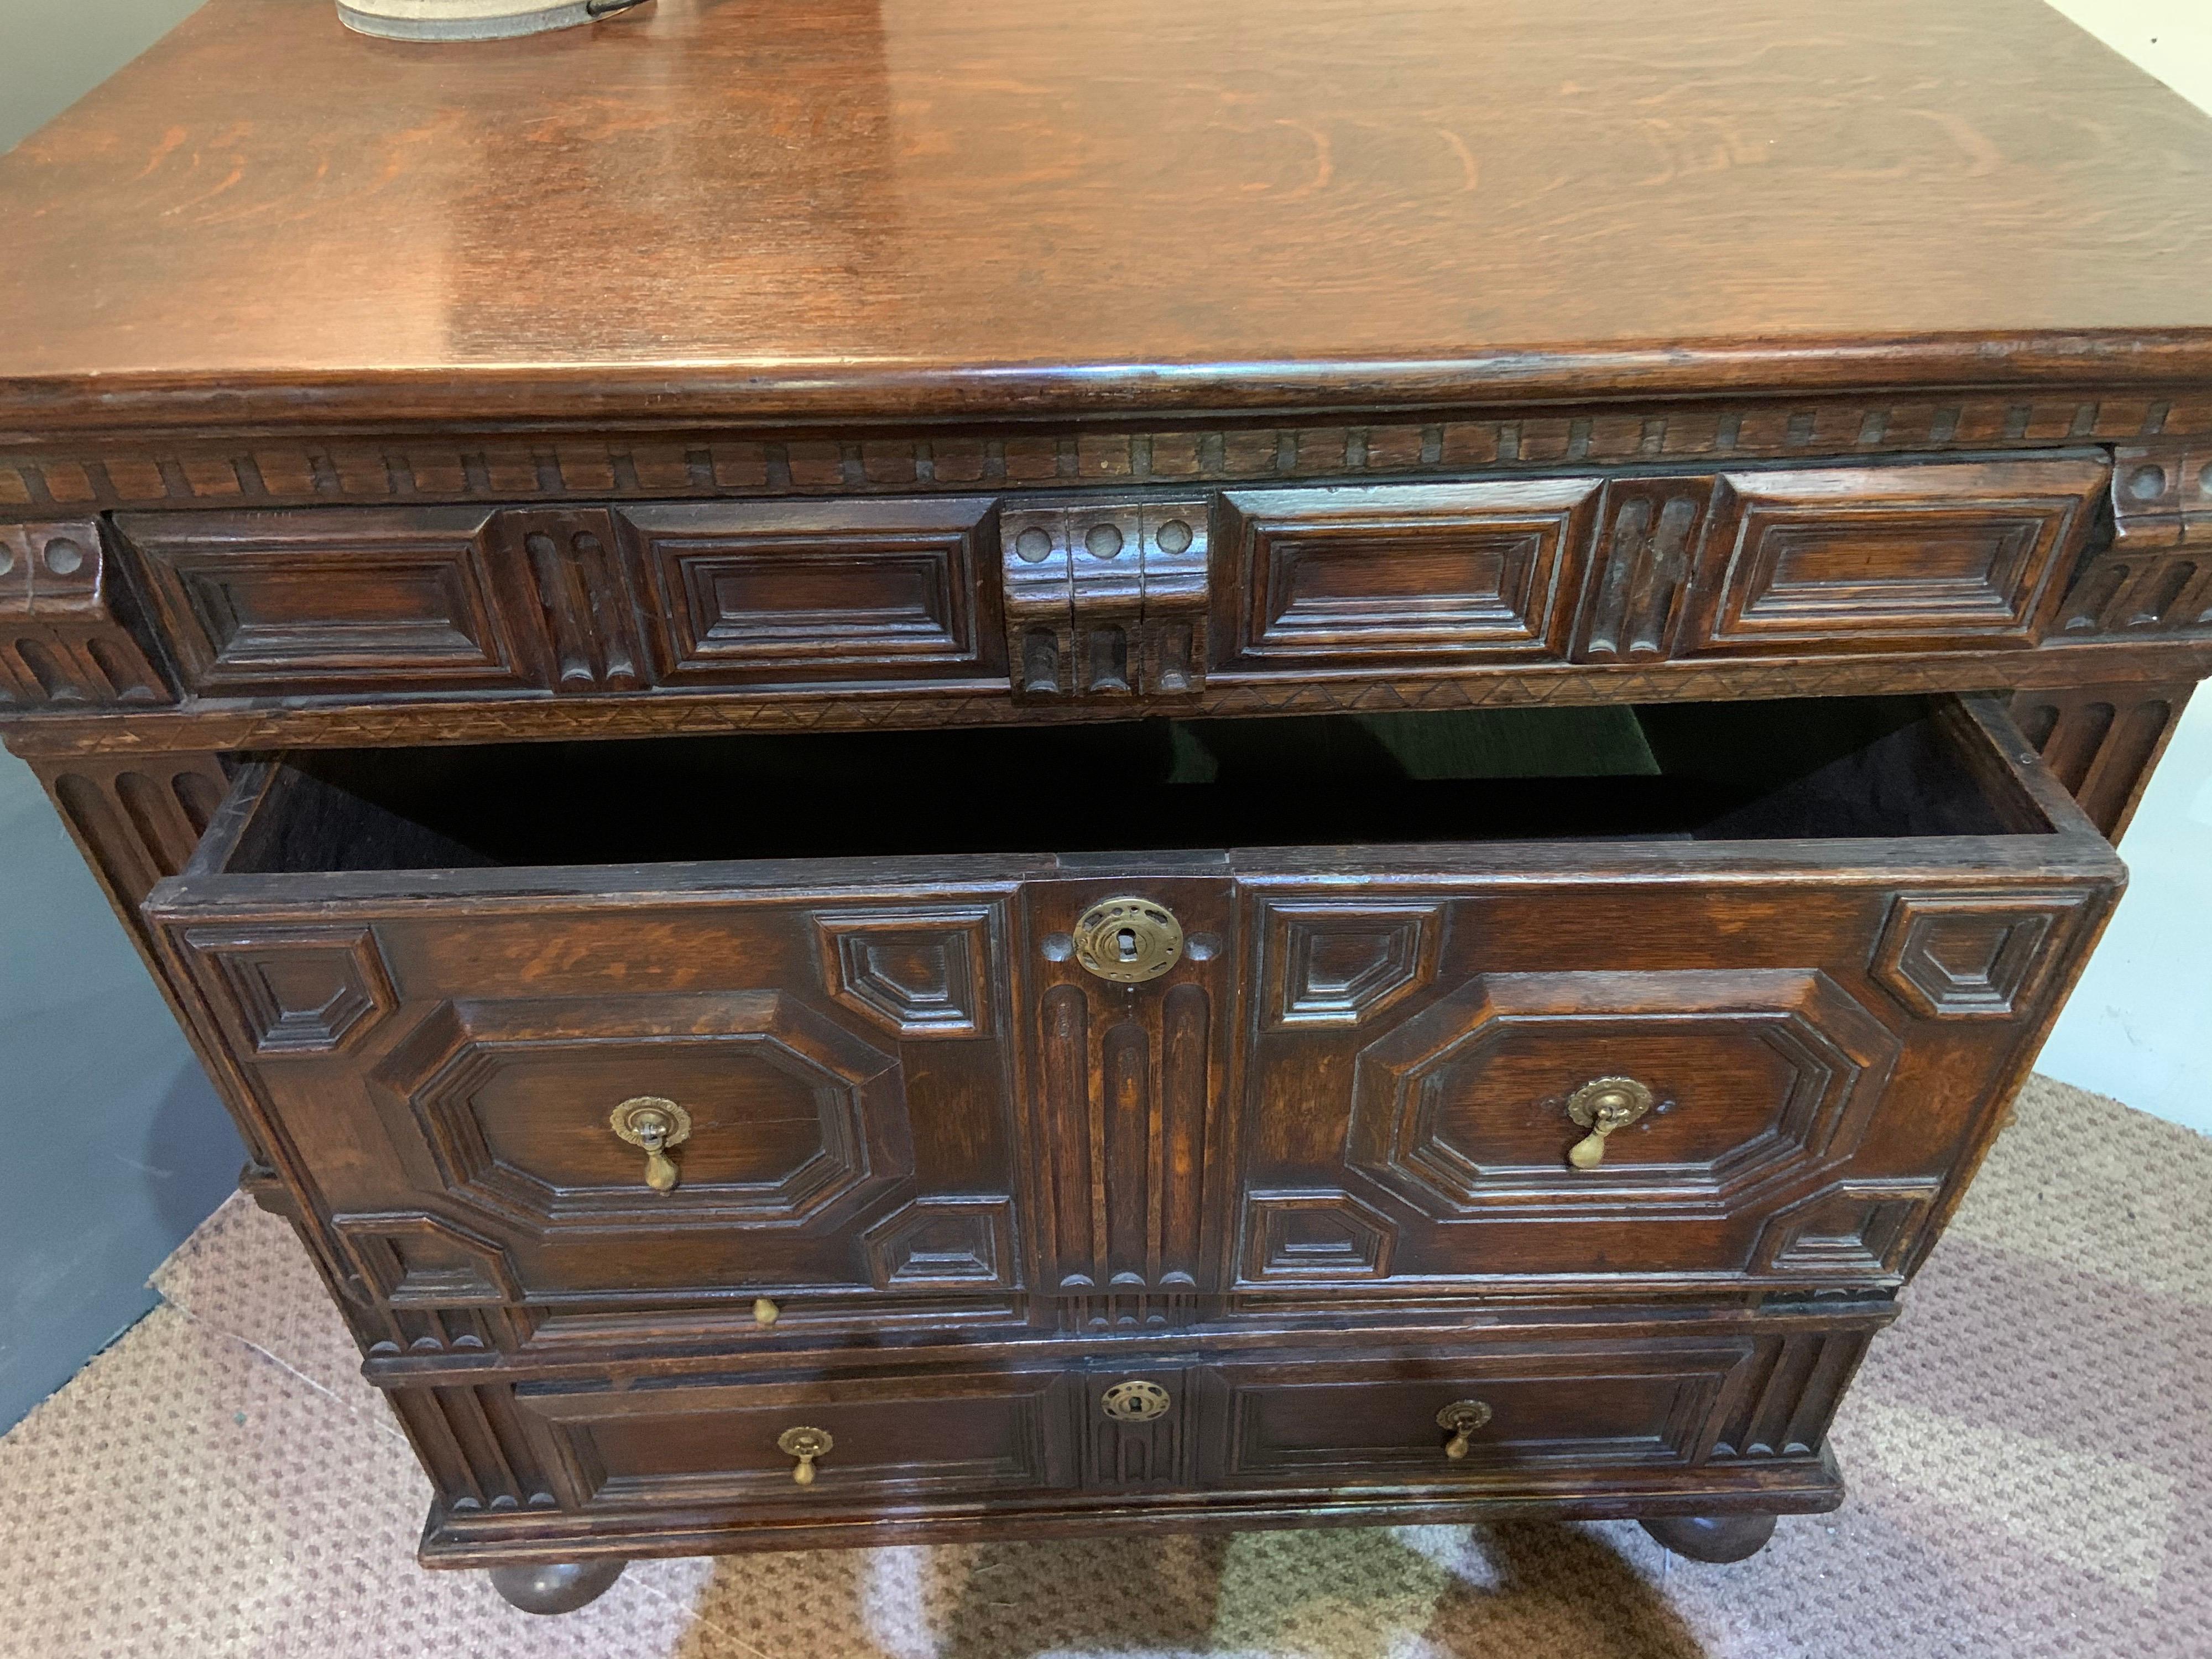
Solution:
(1125, 943)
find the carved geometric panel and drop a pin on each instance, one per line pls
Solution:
(1336, 965)
(1313, 1234)
(1854, 558)
(925, 971)
(1853, 1229)
(438, 1287)
(1762, 1077)
(300, 991)
(793, 1120)
(329, 600)
(953, 1243)
(1970, 956)
(1466, 572)
(415, 1259)
(742, 591)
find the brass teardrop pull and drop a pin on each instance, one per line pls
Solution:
(765, 1312)
(1602, 1105)
(656, 1124)
(806, 1445)
(1461, 1420)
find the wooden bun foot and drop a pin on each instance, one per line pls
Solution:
(556, 1586)
(1715, 1538)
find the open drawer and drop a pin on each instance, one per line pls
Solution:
(837, 976)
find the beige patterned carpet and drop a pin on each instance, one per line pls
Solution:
(2030, 1450)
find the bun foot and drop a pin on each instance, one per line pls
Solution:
(556, 1586)
(1715, 1538)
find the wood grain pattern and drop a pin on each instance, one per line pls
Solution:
(1498, 204)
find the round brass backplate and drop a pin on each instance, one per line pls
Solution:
(1463, 1416)
(1134, 1402)
(807, 1443)
(635, 1117)
(1614, 1101)
(1128, 940)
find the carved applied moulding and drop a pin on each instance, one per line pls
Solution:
(462, 467)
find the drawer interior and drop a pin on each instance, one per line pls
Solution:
(1815, 769)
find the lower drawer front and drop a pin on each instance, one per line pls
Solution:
(881, 1438)
(1332, 1424)
(1522, 1418)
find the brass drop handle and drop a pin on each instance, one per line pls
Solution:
(765, 1312)
(806, 1445)
(1602, 1105)
(1461, 1420)
(656, 1124)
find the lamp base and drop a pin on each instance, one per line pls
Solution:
(472, 20)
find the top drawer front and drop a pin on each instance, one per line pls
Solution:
(1135, 597)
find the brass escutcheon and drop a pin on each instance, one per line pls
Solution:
(806, 1445)
(1128, 940)
(1134, 1402)
(655, 1124)
(1602, 1105)
(1460, 1419)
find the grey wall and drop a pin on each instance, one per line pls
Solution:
(54, 51)
(114, 1147)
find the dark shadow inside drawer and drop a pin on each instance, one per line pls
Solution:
(1824, 769)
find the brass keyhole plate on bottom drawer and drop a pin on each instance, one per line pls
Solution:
(1134, 1402)
(1128, 940)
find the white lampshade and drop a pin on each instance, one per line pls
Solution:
(472, 20)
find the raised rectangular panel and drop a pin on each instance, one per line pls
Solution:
(1461, 571)
(331, 599)
(704, 1443)
(1342, 1423)
(746, 591)
(1865, 558)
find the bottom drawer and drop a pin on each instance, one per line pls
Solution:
(1628, 1418)
(1338, 1423)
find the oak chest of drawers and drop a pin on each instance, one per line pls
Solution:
(941, 857)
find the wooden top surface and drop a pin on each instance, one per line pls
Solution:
(878, 208)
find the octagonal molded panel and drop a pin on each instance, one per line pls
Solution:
(300, 992)
(795, 1121)
(1338, 964)
(1971, 956)
(1764, 1079)
(922, 971)
(1314, 1233)
(953, 1243)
